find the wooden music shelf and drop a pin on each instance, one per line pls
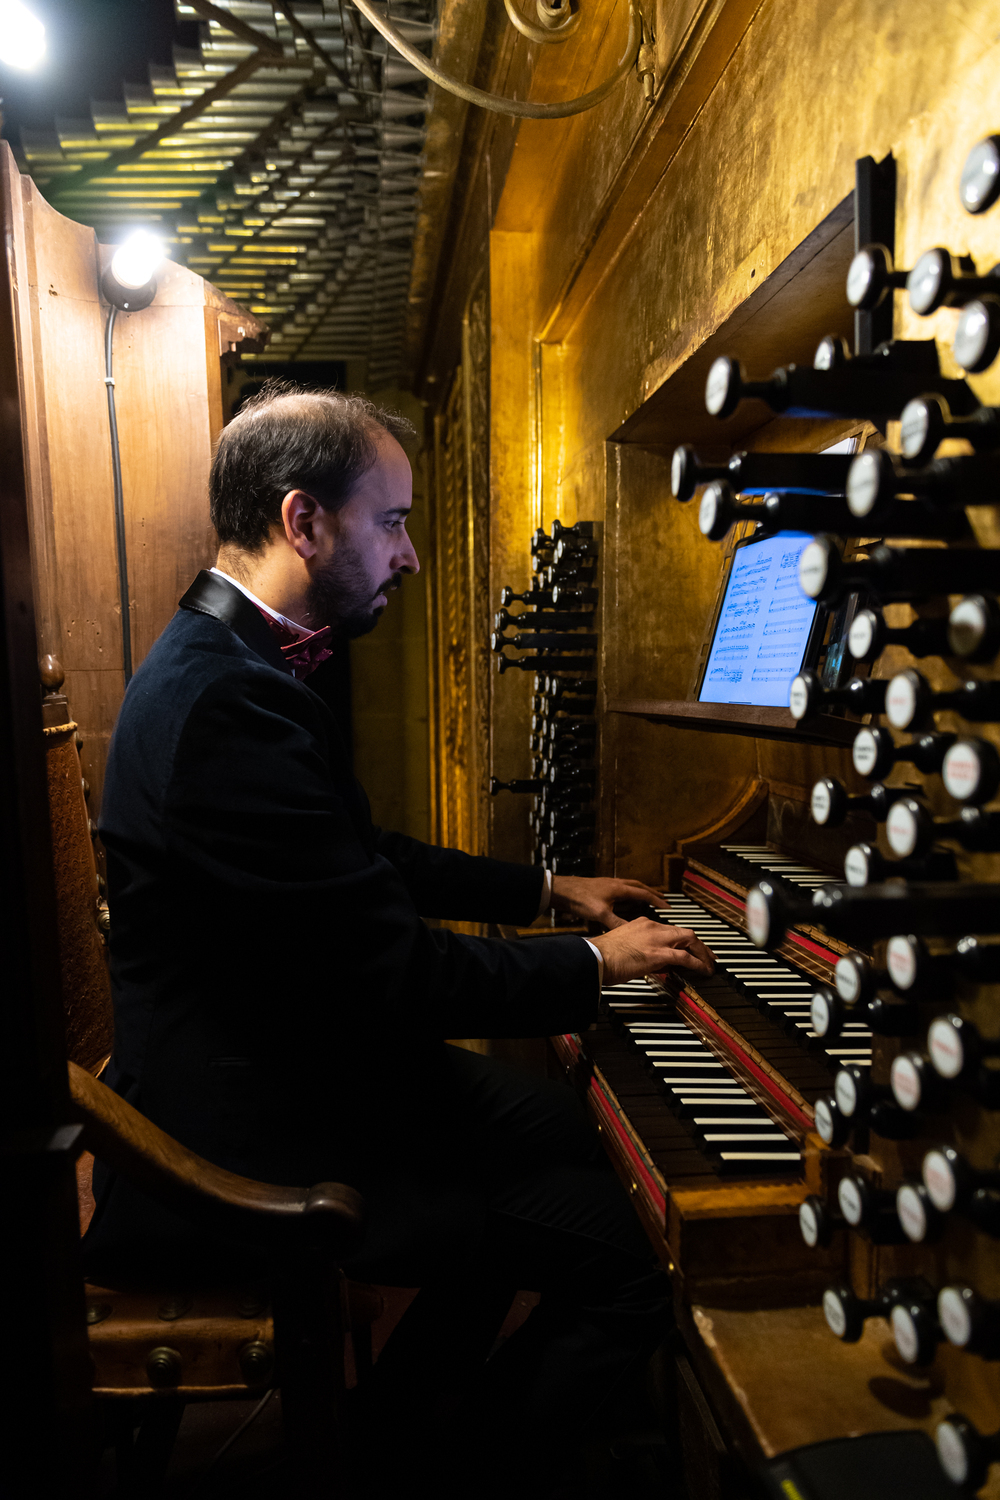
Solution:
(739, 718)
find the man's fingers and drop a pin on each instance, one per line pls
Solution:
(685, 938)
(637, 888)
(681, 958)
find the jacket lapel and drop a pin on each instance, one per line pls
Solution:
(212, 595)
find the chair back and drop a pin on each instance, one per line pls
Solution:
(82, 915)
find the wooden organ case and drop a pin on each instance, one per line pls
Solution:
(169, 367)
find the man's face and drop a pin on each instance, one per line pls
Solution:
(366, 549)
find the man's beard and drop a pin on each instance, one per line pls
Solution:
(341, 595)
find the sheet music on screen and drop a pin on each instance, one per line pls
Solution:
(763, 626)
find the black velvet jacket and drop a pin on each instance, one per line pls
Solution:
(280, 1006)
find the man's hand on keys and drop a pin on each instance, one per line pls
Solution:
(645, 947)
(630, 949)
(592, 899)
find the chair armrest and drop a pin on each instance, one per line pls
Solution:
(209, 1196)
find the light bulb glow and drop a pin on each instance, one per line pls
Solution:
(136, 260)
(22, 35)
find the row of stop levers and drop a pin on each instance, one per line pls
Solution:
(909, 494)
(556, 627)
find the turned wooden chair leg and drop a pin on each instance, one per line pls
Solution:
(147, 1458)
(309, 1348)
(362, 1340)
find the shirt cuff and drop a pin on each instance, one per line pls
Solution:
(600, 962)
(546, 900)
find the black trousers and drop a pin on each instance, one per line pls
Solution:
(540, 1210)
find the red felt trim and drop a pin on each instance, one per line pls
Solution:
(764, 1079)
(799, 939)
(610, 1117)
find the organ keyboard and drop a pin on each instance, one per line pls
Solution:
(704, 1085)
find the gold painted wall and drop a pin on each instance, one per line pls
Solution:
(620, 241)
(389, 707)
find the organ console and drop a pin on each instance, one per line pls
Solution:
(861, 695)
(915, 1084)
(870, 1209)
(536, 640)
(830, 1014)
(972, 631)
(874, 753)
(865, 1035)
(969, 1321)
(563, 596)
(953, 1184)
(911, 830)
(830, 804)
(875, 478)
(847, 1313)
(921, 1220)
(535, 596)
(871, 276)
(927, 421)
(540, 662)
(719, 511)
(977, 335)
(957, 1050)
(940, 279)
(864, 863)
(964, 1453)
(910, 967)
(876, 386)
(543, 620)
(910, 700)
(979, 184)
(893, 573)
(970, 771)
(790, 473)
(559, 619)
(878, 911)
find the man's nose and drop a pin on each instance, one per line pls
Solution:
(406, 560)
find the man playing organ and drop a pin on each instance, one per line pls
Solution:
(282, 1006)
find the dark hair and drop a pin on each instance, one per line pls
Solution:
(287, 438)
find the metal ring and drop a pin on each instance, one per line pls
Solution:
(541, 33)
(525, 109)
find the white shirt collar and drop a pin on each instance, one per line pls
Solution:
(302, 630)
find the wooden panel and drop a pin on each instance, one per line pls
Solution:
(794, 1387)
(779, 323)
(453, 763)
(168, 395)
(86, 987)
(460, 594)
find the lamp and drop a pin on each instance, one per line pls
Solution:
(22, 35)
(129, 284)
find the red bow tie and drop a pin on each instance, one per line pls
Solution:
(303, 653)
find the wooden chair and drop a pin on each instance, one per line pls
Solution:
(156, 1348)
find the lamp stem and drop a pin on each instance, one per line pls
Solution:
(116, 466)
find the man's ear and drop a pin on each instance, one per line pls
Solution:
(299, 513)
